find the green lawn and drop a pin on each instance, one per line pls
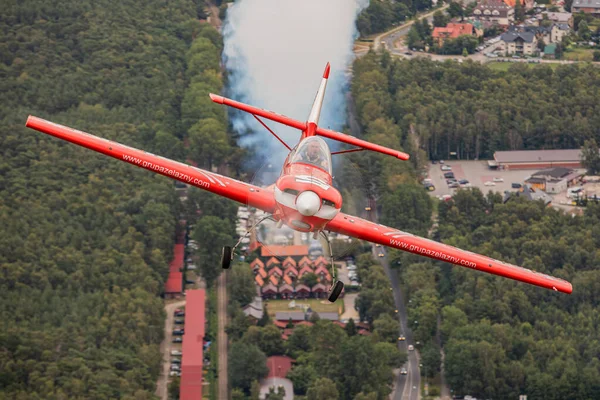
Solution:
(318, 305)
(577, 54)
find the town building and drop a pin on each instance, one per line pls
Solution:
(557, 17)
(495, 11)
(521, 43)
(536, 159)
(586, 6)
(530, 194)
(450, 31)
(554, 180)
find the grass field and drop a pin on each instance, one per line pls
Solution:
(579, 54)
(318, 305)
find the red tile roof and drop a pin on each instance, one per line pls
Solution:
(259, 280)
(305, 270)
(257, 263)
(304, 323)
(272, 261)
(275, 270)
(174, 283)
(287, 279)
(289, 262)
(273, 279)
(304, 260)
(262, 273)
(280, 324)
(291, 271)
(282, 251)
(279, 366)
(452, 30)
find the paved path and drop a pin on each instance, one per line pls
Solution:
(165, 350)
(221, 335)
(349, 311)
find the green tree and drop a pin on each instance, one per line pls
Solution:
(350, 328)
(208, 142)
(309, 279)
(212, 233)
(246, 365)
(584, 31)
(431, 360)
(596, 55)
(322, 389)
(387, 328)
(455, 10)
(465, 53)
(439, 19)
(241, 284)
(590, 156)
(302, 376)
(519, 11)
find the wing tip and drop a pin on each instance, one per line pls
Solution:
(403, 156)
(216, 98)
(30, 119)
(327, 69)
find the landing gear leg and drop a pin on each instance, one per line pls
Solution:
(228, 251)
(337, 286)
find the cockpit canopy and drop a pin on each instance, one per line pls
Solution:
(313, 151)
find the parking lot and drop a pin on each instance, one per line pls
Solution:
(477, 173)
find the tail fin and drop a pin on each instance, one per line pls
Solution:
(315, 111)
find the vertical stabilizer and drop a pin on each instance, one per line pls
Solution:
(315, 111)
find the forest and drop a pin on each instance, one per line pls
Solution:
(474, 111)
(500, 338)
(85, 241)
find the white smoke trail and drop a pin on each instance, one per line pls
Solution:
(275, 53)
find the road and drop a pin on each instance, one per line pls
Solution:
(165, 350)
(223, 388)
(406, 387)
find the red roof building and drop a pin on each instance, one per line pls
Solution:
(304, 262)
(291, 271)
(272, 261)
(289, 262)
(284, 251)
(256, 264)
(259, 280)
(192, 349)
(450, 31)
(275, 271)
(262, 273)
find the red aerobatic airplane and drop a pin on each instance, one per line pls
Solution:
(303, 197)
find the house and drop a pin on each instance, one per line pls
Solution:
(305, 270)
(271, 262)
(586, 6)
(262, 273)
(557, 17)
(554, 180)
(529, 194)
(291, 272)
(259, 280)
(257, 264)
(192, 349)
(287, 279)
(319, 290)
(323, 274)
(550, 51)
(559, 31)
(304, 261)
(289, 262)
(302, 292)
(255, 309)
(522, 43)
(320, 261)
(495, 11)
(286, 291)
(284, 251)
(548, 34)
(275, 271)
(450, 31)
(528, 4)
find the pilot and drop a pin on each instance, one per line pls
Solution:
(313, 155)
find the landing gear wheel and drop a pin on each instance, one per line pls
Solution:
(335, 292)
(226, 257)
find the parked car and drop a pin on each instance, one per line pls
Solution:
(179, 314)
(449, 175)
(463, 181)
(445, 168)
(175, 367)
(516, 185)
(497, 179)
(489, 183)
(178, 332)
(352, 268)
(176, 361)
(453, 184)
(174, 373)
(177, 340)
(175, 352)
(179, 322)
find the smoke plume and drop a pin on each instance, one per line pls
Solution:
(275, 53)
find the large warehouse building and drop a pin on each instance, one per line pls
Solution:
(536, 159)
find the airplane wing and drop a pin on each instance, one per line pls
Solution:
(215, 183)
(376, 233)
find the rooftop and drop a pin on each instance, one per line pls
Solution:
(514, 36)
(586, 3)
(538, 156)
(284, 251)
(452, 30)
